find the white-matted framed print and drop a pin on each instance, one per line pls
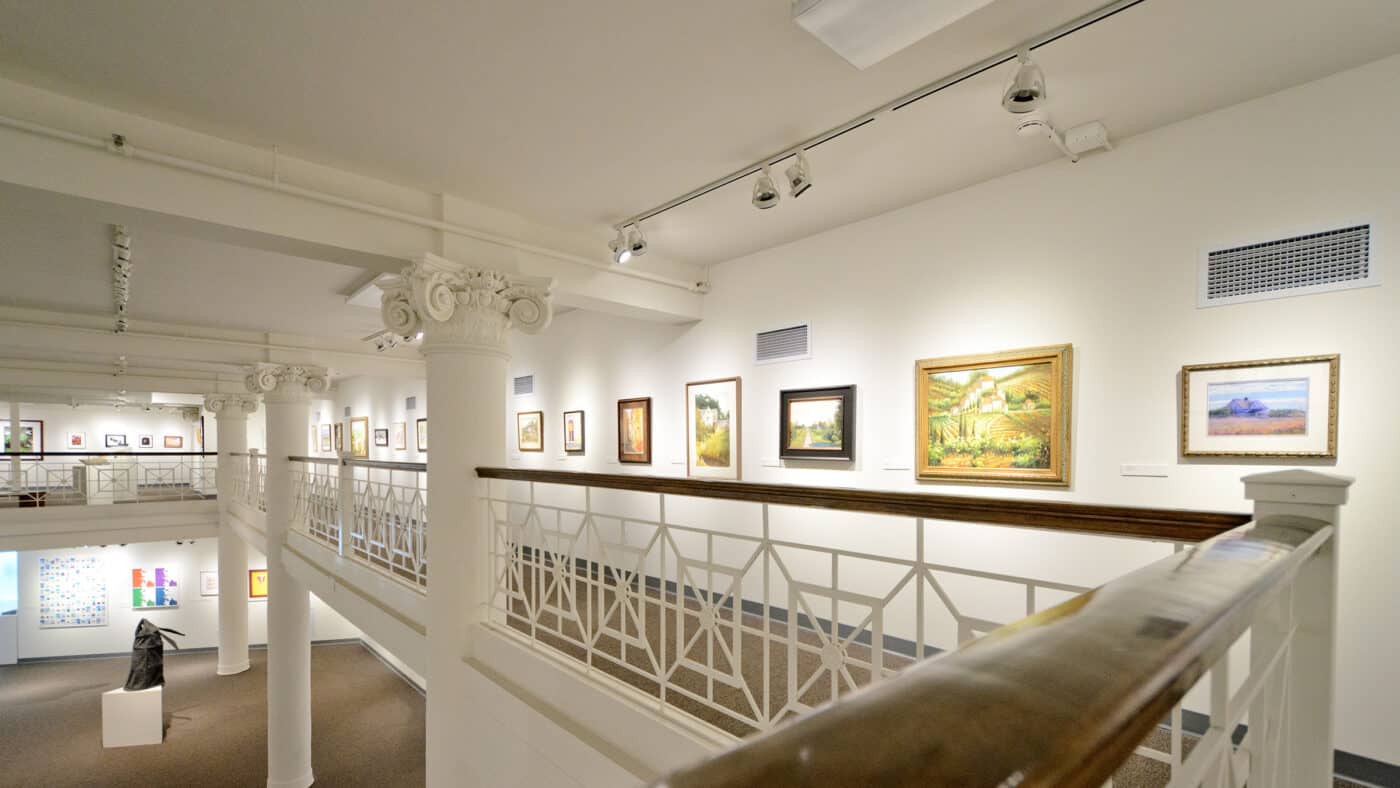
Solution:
(1281, 407)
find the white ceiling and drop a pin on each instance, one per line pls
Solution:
(57, 255)
(578, 114)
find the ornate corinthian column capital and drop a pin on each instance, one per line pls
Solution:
(231, 405)
(458, 306)
(287, 382)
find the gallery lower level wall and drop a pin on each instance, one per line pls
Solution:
(1102, 254)
(197, 616)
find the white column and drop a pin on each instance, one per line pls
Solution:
(287, 389)
(231, 425)
(464, 315)
(1306, 733)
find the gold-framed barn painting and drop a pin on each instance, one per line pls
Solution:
(712, 412)
(995, 418)
(1279, 407)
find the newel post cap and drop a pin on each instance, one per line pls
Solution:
(1297, 486)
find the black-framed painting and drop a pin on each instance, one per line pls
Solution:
(145, 441)
(31, 439)
(817, 424)
(634, 430)
(573, 432)
(338, 430)
(1278, 407)
(422, 425)
(381, 437)
(113, 441)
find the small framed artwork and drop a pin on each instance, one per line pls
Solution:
(145, 442)
(325, 437)
(174, 442)
(634, 430)
(995, 418)
(77, 441)
(208, 583)
(400, 431)
(381, 437)
(1281, 407)
(817, 424)
(712, 429)
(115, 441)
(257, 584)
(199, 434)
(31, 439)
(573, 431)
(359, 437)
(529, 430)
(422, 435)
(339, 432)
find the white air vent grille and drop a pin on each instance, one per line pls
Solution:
(1317, 262)
(525, 384)
(784, 344)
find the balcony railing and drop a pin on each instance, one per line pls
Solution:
(387, 502)
(250, 479)
(93, 478)
(766, 601)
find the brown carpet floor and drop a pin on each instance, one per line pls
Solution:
(367, 724)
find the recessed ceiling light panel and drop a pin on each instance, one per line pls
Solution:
(864, 32)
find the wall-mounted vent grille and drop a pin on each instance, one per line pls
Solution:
(410, 403)
(1318, 262)
(784, 344)
(525, 384)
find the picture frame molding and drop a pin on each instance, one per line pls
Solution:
(378, 432)
(1061, 359)
(847, 453)
(1334, 378)
(519, 445)
(626, 458)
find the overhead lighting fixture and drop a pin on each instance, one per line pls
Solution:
(636, 242)
(1026, 92)
(864, 32)
(621, 249)
(799, 175)
(765, 193)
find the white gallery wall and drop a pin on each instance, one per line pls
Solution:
(1102, 254)
(98, 421)
(383, 401)
(197, 616)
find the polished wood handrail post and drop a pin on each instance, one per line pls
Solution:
(1309, 674)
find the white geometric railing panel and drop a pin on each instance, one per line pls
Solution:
(389, 530)
(257, 482)
(82, 479)
(731, 624)
(316, 501)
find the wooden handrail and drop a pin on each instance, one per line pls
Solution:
(417, 467)
(315, 460)
(1058, 699)
(1178, 525)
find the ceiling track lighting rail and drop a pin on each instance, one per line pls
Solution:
(798, 151)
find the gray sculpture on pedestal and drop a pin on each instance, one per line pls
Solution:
(148, 656)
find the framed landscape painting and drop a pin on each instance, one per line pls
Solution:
(1282, 407)
(529, 430)
(359, 437)
(998, 418)
(31, 438)
(422, 425)
(817, 424)
(174, 441)
(325, 437)
(400, 431)
(712, 429)
(573, 431)
(634, 430)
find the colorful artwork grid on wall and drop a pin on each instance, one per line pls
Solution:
(72, 592)
(154, 588)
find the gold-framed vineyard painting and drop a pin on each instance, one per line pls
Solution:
(1278, 407)
(995, 418)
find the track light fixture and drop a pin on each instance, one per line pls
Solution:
(799, 175)
(621, 249)
(765, 193)
(1026, 92)
(636, 241)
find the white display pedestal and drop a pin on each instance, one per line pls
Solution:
(132, 718)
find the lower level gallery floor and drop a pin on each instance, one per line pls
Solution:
(367, 723)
